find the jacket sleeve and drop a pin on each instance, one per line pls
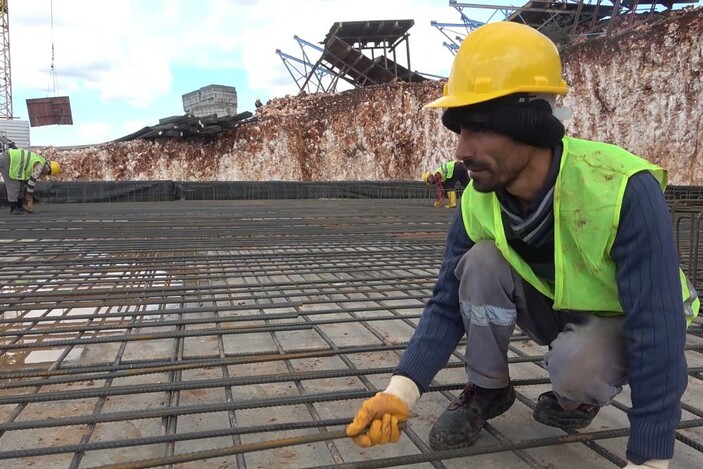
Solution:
(649, 288)
(440, 327)
(32, 182)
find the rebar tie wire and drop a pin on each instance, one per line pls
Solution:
(385, 462)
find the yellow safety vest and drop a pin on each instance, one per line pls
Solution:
(22, 162)
(587, 203)
(446, 170)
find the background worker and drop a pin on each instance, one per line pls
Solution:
(445, 179)
(567, 238)
(19, 167)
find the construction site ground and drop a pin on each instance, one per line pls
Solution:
(247, 333)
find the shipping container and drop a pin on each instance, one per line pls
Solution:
(16, 130)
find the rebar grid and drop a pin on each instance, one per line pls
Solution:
(246, 334)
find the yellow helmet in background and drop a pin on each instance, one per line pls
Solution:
(426, 177)
(55, 168)
(498, 59)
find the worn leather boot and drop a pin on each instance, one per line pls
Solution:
(461, 423)
(549, 412)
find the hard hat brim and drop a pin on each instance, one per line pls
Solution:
(475, 98)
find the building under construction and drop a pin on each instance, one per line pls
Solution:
(153, 315)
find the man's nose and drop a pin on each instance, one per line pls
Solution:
(465, 147)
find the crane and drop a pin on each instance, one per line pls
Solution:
(5, 75)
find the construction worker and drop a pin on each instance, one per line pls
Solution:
(567, 238)
(445, 179)
(258, 103)
(23, 167)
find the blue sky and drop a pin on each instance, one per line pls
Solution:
(125, 64)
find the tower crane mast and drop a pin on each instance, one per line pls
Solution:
(5, 75)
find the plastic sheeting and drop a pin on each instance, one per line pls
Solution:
(158, 191)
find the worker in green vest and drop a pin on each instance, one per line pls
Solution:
(20, 170)
(446, 178)
(568, 239)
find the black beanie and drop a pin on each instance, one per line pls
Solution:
(518, 116)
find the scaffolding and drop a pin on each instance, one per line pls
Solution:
(565, 20)
(360, 53)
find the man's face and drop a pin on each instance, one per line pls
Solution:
(494, 160)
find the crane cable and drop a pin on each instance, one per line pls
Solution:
(53, 80)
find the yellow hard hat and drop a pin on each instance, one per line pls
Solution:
(426, 177)
(498, 59)
(55, 168)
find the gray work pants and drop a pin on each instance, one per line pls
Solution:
(12, 186)
(587, 360)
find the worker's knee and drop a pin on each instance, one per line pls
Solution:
(482, 260)
(486, 279)
(587, 362)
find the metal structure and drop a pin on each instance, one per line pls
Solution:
(49, 111)
(309, 78)
(361, 53)
(563, 20)
(5, 69)
(247, 333)
(54, 109)
(456, 36)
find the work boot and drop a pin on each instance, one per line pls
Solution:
(16, 209)
(452, 200)
(549, 412)
(460, 424)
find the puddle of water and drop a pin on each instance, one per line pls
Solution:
(50, 356)
(19, 360)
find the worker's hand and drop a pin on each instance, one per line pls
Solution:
(383, 413)
(438, 203)
(651, 464)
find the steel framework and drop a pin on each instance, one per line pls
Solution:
(246, 333)
(564, 20)
(307, 76)
(5, 70)
(360, 53)
(454, 35)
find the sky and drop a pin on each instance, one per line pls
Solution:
(125, 64)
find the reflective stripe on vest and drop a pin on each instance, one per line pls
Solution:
(22, 162)
(446, 170)
(587, 202)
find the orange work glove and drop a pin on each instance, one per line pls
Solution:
(383, 412)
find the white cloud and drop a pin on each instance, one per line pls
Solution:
(94, 131)
(127, 51)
